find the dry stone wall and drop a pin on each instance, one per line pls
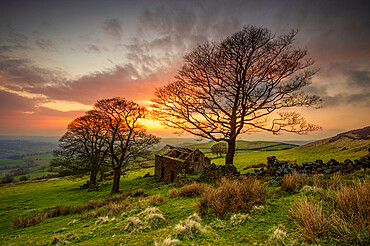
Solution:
(281, 168)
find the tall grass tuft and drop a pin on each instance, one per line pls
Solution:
(232, 196)
(190, 228)
(168, 242)
(351, 213)
(290, 182)
(173, 193)
(192, 190)
(133, 224)
(27, 221)
(347, 206)
(309, 219)
(157, 200)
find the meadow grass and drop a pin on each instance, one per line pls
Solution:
(257, 225)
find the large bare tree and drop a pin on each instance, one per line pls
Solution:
(240, 84)
(125, 136)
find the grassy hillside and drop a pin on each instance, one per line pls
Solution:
(263, 225)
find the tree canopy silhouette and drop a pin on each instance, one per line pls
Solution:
(238, 85)
(126, 138)
(82, 149)
(110, 135)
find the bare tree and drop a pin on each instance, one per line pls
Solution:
(238, 85)
(83, 149)
(125, 137)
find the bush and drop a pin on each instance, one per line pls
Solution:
(7, 179)
(24, 178)
(232, 196)
(192, 190)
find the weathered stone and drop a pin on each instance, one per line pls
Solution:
(179, 161)
(214, 172)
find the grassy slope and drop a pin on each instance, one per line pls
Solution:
(26, 199)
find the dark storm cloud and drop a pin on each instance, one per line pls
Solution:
(113, 29)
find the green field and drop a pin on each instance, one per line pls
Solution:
(35, 198)
(40, 169)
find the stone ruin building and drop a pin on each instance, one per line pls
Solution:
(180, 161)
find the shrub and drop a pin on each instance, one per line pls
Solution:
(173, 193)
(190, 228)
(157, 200)
(192, 190)
(232, 196)
(309, 219)
(7, 179)
(168, 242)
(23, 178)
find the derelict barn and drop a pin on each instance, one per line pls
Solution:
(180, 161)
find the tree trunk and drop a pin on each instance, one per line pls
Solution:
(117, 176)
(230, 151)
(93, 175)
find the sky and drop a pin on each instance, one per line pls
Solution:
(57, 58)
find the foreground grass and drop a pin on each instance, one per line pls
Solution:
(262, 224)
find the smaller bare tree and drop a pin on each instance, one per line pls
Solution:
(125, 136)
(219, 149)
(82, 149)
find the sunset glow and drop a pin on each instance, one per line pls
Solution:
(54, 67)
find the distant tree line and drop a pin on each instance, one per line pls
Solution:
(107, 138)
